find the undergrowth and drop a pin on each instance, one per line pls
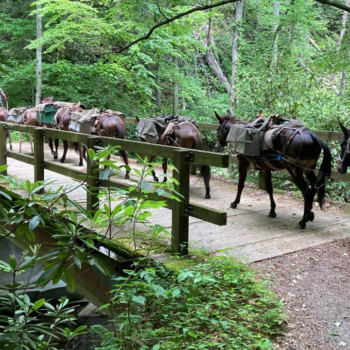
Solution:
(214, 304)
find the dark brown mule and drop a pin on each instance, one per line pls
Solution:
(111, 124)
(3, 118)
(29, 117)
(343, 161)
(295, 150)
(183, 135)
(62, 121)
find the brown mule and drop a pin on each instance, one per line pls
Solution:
(111, 124)
(177, 134)
(62, 120)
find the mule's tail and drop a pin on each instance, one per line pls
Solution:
(325, 169)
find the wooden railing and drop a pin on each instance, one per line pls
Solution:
(182, 159)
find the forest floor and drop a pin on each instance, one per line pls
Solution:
(314, 284)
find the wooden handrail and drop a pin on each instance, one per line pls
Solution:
(182, 159)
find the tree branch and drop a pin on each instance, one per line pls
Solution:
(172, 19)
(335, 4)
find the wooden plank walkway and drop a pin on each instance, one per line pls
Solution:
(249, 234)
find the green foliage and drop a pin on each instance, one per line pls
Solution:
(211, 305)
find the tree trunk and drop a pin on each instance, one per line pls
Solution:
(158, 91)
(210, 59)
(340, 40)
(276, 12)
(238, 21)
(176, 89)
(38, 55)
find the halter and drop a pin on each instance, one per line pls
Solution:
(219, 130)
(347, 151)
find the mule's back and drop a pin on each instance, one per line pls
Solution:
(300, 144)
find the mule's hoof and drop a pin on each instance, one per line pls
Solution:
(302, 224)
(62, 160)
(272, 214)
(155, 179)
(207, 196)
(80, 164)
(55, 157)
(312, 216)
(233, 205)
(126, 177)
(165, 179)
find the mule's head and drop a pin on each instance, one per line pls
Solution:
(343, 161)
(223, 129)
(47, 100)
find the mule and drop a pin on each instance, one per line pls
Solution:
(4, 118)
(293, 149)
(111, 124)
(61, 122)
(183, 135)
(16, 116)
(29, 117)
(343, 161)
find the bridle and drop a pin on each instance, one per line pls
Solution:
(219, 131)
(346, 152)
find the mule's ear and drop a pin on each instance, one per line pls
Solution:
(229, 114)
(218, 117)
(344, 129)
(137, 119)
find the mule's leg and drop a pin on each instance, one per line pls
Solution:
(124, 155)
(243, 166)
(311, 176)
(31, 143)
(269, 189)
(54, 153)
(8, 133)
(206, 173)
(20, 141)
(57, 142)
(308, 194)
(165, 169)
(78, 149)
(65, 149)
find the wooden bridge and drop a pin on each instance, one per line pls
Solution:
(249, 234)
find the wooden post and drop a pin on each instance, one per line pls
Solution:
(180, 220)
(39, 163)
(92, 181)
(3, 160)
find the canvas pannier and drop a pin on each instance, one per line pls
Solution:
(147, 131)
(45, 114)
(246, 140)
(83, 121)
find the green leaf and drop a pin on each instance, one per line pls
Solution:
(38, 304)
(3, 168)
(139, 299)
(13, 263)
(34, 222)
(146, 186)
(69, 280)
(7, 196)
(22, 229)
(49, 274)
